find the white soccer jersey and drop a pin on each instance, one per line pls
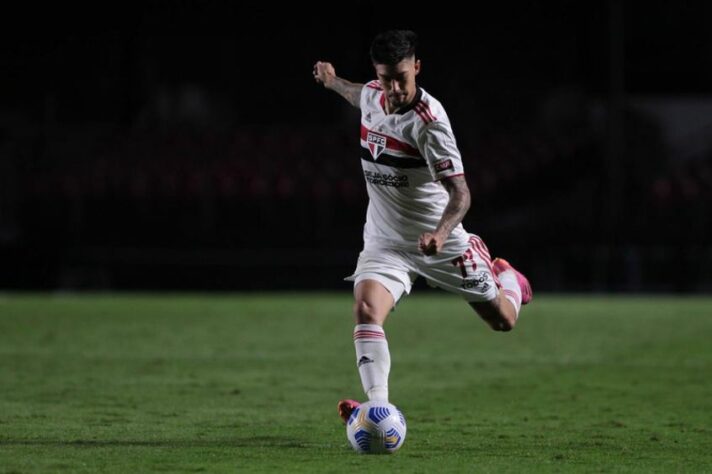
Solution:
(404, 155)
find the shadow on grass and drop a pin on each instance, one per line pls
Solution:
(251, 442)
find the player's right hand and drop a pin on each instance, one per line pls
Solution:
(323, 72)
(431, 243)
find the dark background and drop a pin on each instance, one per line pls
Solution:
(185, 145)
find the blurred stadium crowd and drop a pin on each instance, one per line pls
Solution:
(258, 197)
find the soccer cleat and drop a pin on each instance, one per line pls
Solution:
(501, 265)
(346, 407)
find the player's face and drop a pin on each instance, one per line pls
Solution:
(398, 81)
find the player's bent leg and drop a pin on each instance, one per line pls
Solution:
(499, 313)
(502, 312)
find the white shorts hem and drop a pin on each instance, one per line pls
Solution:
(394, 287)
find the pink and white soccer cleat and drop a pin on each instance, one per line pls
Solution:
(500, 265)
(346, 407)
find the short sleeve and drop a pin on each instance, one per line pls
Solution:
(369, 93)
(438, 146)
(363, 102)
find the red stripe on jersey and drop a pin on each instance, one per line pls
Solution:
(426, 109)
(421, 114)
(424, 112)
(382, 101)
(392, 143)
(375, 85)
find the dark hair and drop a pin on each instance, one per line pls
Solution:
(392, 47)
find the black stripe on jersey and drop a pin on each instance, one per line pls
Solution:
(393, 161)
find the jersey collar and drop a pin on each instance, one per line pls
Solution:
(413, 103)
(407, 108)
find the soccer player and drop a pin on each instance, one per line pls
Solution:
(417, 199)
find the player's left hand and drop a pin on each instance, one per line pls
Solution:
(431, 244)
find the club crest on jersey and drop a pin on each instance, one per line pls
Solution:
(376, 144)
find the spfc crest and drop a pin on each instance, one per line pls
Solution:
(376, 144)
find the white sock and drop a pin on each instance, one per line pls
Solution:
(373, 360)
(511, 289)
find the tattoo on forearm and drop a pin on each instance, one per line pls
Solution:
(454, 213)
(348, 90)
(456, 207)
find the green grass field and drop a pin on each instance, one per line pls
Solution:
(121, 383)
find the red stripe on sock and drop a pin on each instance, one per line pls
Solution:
(369, 335)
(512, 294)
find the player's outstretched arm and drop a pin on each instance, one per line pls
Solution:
(457, 206)
(324, 73)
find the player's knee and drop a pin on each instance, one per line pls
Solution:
(496, 316)
(504, 325)
(507, 321)
(365, 313)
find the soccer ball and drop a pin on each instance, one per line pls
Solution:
(376, 427)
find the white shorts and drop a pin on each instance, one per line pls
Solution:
(467, 274)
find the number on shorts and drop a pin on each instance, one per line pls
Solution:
(460, 262)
